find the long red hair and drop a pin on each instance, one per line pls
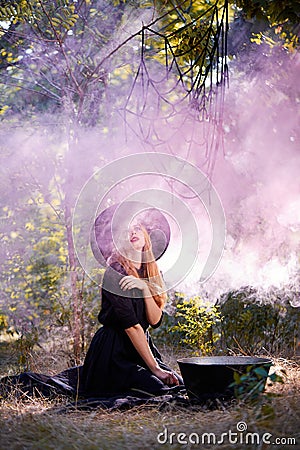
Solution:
(150, 271)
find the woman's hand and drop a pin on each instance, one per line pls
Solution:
(131, 282)
(165, 376)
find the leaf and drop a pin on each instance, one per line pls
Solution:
(236, 377)
(55, 21)
(276, 378)
(261, 372)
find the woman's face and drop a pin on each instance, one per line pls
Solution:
(130, 241)
(136, 237)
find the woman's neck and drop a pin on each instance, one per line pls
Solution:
(136, 259)
(137, 264)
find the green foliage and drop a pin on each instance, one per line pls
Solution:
(254, 322)
(275, 22)
(245, 321)
(34, 264)
(248, 386)
(25, 345)
(51, 18)
(53, 57)
(34, 282)
(270, 11)
(3, 323)
(196, 324)
(51, 53)
(165, 334)
(189, 38)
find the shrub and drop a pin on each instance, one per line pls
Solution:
(254, 321)
(196, 324)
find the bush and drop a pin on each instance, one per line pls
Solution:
(197, 325)
(253, 322)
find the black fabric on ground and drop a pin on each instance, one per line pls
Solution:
(66, 383)
(125, 402)
(31, 383)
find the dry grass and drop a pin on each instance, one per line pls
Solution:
(28, 423)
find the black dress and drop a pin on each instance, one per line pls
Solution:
(112, 364)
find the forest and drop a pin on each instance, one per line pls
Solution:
(191, 107)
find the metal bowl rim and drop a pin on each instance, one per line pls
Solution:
(224, 360)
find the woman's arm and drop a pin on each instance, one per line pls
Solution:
(137, 336)
(153, 311)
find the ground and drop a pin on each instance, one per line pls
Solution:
(273, 422)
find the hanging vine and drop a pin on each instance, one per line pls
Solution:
(193, 52)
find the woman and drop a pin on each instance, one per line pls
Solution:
(121, 356)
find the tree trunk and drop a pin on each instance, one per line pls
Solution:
(76, 294)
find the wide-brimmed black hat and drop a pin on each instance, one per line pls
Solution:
(120, 215)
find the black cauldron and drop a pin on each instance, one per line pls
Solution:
(210, 377)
